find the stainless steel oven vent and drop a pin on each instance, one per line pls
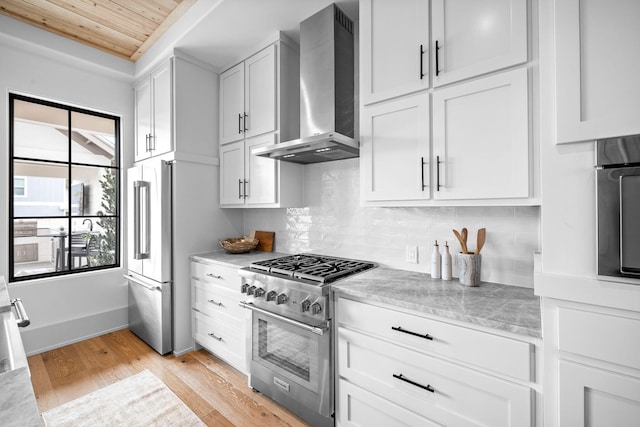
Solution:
(327, 84)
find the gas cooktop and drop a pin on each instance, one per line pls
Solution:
(320, 269)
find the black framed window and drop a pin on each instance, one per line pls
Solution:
(64, 199)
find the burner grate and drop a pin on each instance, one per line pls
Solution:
(316, 268)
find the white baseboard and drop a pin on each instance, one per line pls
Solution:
(49, 337)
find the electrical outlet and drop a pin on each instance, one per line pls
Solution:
(411, 254)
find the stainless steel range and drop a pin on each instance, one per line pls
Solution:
(291, 332)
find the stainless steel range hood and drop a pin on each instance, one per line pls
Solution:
(326, 92)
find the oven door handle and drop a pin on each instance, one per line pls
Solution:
(318, 330)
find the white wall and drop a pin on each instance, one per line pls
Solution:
(333, 223)
(70, 308)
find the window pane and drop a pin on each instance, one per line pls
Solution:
(93, 242)
(37, 244)
(93, 139)
(47, 184)
(40, 131)
(93, 191)
(19, 188)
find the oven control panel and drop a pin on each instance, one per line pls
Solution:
(283, 300)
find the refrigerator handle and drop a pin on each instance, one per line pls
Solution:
(144, 285)
(141, 223)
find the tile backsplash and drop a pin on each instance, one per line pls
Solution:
(333, 223)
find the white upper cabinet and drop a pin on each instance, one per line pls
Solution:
(597, 69)
(394, 150)
(260, 105)
(471, 37)
(153, 113)
(260, 93)
(232, 174)
(481, 138)
(174, 107)
(248, 97)
(232, 104)
(394, 48)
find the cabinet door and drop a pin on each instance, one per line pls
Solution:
(394, 150)
(597, 69)
(481, 138)
(476, 37)
(161, 84)
(232, 174)
(260, 93)
(594, 397)
(143, 120)
(261, 173)
(394, 48)
(232, 104)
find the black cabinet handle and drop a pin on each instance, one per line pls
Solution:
(421, 62)
(437, 62)
(422, 163)
(245, 188)
(437, 173)
(404, 331)
(245, 122)
(239, 189)
(424, 387)
(239, 123)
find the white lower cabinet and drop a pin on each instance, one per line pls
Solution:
(219, 323)
(589, 396)
(592, 355)
(396, 368)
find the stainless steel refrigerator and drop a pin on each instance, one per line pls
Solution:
(149, 252)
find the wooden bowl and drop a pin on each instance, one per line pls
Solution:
(239, 245)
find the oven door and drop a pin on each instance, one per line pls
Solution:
(618, 200)
(290, 362)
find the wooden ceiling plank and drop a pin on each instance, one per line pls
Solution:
(94, 10)
(166, 24)
(155, 11)
(45, 19)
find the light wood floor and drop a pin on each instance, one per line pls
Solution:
(215, 392)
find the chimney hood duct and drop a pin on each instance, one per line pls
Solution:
(326, 93)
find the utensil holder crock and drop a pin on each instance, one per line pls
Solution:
(469, 269)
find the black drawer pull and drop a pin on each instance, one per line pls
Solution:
(404, 331)
(424, 387)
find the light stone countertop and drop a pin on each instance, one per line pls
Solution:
(502, 307)
(18, 405)
(234, 260)
(507, 308)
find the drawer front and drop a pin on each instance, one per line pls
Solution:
(217, 302)
(600, 336)
(358, 407)
(503, 355)
(440, 391)
(225, 341)
(219, 275)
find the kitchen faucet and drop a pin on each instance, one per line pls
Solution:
(90, 223)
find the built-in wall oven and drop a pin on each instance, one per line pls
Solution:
(291, 345)
(618, 208)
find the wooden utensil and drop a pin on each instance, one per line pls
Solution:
(482, 236)
(463, 245)
(465, 234)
